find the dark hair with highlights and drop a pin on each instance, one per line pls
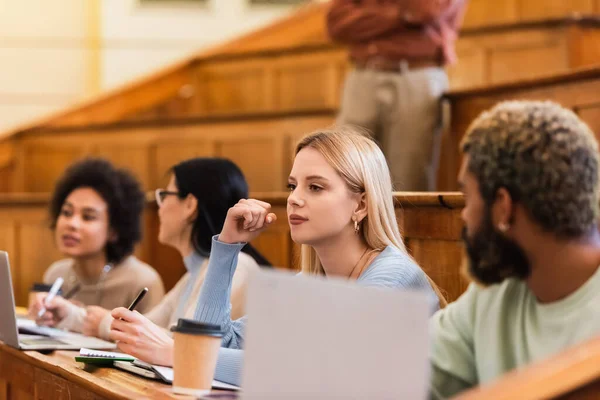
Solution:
(545, 157)
(217, 184)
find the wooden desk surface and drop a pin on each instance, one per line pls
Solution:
(30, 374)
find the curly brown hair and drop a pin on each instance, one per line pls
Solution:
(546, 158)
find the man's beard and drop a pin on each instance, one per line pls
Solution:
(492, 257)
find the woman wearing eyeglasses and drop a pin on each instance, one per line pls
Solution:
(96, 212)
(192, 209)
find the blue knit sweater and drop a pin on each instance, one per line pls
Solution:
(392, 268)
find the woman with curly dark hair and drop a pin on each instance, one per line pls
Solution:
(95, 213)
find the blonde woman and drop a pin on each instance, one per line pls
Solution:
(340, 209)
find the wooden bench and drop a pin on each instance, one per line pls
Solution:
(573, 374)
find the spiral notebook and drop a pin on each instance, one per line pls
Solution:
(97, 357)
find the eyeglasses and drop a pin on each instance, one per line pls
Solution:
(160, 195)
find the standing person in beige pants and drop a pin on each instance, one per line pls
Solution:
(398, 49)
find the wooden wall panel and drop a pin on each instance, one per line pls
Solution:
(439, 259)
(261, 159)
(256, 144)
(482, 13)
(212, 83)
(313, 78)
(308, 81)
(18, 377)
(433, 238)
(540, 53)
(133, 156)
(591, 115)
(45, 164)
(472, 67)
(167, 153)
(35, 254)
(579, 91)
(584, 45)
(535, 10)
(240, 87)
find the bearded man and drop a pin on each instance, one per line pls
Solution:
(530, 180)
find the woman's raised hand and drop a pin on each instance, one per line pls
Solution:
(246, 220)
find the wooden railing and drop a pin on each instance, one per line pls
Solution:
(430, 223)
(250, 100)
(309, 74)
(573, 374)
(578, 90)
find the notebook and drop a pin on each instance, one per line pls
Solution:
(129, 363)
(97, 357)
(166, 374)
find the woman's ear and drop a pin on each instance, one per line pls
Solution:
(190, 207)
(361, 208)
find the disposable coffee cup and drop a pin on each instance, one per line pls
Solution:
(195, 359)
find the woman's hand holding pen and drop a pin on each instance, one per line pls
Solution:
(140, 337)
(56, 309)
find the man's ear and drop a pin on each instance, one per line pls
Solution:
(502, 210)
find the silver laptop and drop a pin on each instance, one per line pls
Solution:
(331, 339)
(42, 338)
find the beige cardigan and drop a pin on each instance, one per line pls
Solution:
(118, 288)
(178, 304)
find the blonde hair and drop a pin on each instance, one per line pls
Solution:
(362, 165)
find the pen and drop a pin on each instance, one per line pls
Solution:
(139, 298)
(53, 291)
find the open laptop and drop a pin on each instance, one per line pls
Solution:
(309, 337)
(43, 338)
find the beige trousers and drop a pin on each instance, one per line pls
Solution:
(404, 113)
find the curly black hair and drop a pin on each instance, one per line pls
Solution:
(545, 156)
(118, 188)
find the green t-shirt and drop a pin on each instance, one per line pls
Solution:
(490, 331)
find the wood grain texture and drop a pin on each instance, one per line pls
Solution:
(578, 91)
(33, 375)
(245, 73)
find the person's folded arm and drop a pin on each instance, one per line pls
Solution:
(423, 12)
(351, 22)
